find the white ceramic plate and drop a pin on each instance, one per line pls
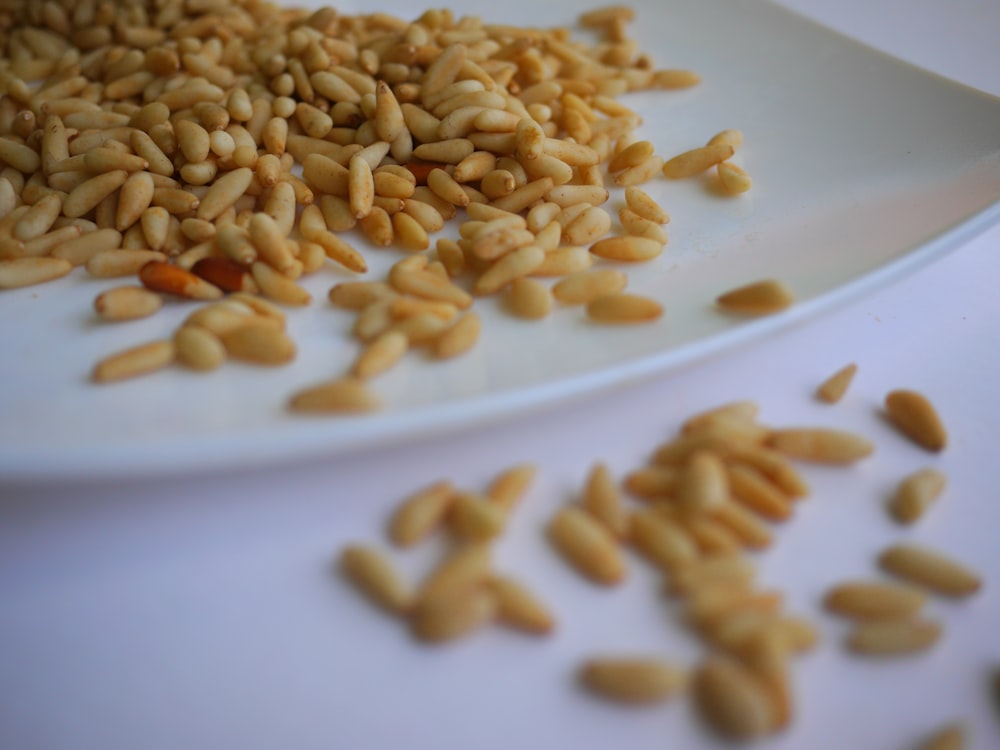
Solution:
(864, 168)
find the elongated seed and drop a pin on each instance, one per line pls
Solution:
(138, 360)
(602, 499)
(896, 637)
(630, 249)
(127, 303)
(339, 396)
(446, 618)
(21, 272)
(731, 700)
(915, 416)
(874, 601)
(421, 514)
(518, 608)
(733, 178)
(623, 308)
(758, 298)
(662, 541)
(464, 569)
(587, 545)
(509, 486)
(703, 485)
(821, 445)
(259, 342)
(697, 160)
(930, 569)
(85, 197)
(916, 493)
(834, 387)
(474, 518)
(199, 348)
(632, 679)
(376, 577)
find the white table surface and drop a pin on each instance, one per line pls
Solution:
(203, 612)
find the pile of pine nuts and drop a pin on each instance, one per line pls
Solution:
(218, 150)
(707, 500)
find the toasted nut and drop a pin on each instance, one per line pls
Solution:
(916, 493)
(834, 387)
(376, 577)
(916, 418)
(639, 680)
(930, 569)
(127, 303)
(873, 601)
(759, 298)
(226, 274)
(163, 277)
(893, 637)
(519, 608)
(587, 545)
(340, 396)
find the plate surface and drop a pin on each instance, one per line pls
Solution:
(864, 168)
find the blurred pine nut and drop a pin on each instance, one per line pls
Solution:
(127, 303)
(138, 360)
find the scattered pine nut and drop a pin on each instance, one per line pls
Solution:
(138, 360)
(759, 298)
(929, 569)
(519, 608)
(339, 396)
(732, 701)
(895, 637)
(587, 545)
(916, 493)
(874, 601)
(821, 445)
(834, 387)
(916, 418)
(127, 303)
(375, 576)
(623, 308)
(633, 680)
